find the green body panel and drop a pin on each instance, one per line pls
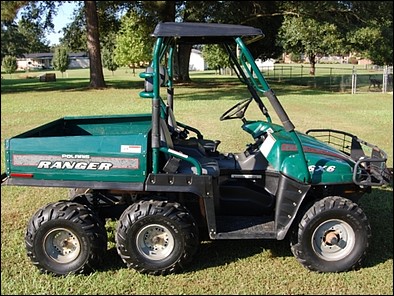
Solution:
(258, 128)
(325, 163)
(99, 148)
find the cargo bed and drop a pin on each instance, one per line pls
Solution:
(95, 151)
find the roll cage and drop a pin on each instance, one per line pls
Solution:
(234, 38)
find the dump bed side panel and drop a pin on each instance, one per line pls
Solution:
(110, 149)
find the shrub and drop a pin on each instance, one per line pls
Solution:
(9, 64)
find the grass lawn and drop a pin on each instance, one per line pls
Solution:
(221, 267)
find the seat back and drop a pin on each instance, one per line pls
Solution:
(148, 85)
(165, 135)
(172, 124)
(173, 164)
(170, 163)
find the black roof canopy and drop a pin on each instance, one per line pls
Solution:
(204, 32)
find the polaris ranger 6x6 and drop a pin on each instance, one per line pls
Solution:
(169, 188)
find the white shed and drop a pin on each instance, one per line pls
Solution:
(197, 62)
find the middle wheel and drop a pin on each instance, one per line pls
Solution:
(156, 237)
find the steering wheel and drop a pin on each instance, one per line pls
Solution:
(237, 111)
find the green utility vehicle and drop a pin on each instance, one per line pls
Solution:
(169, 188)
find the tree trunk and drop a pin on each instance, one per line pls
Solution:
(167, 11)
(167, 14)
(93, 43)
(182, 63)
(312, 62)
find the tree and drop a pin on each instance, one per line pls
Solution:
(29, 34)
(365, 42)
(9, 9)
(24, 37)
(215, 56)
(134, 45)
(266, 15)
(39, 12)
(9, 64)
(108, 57)
(13, 42)
(34, 36)
(262, 14)
(373, 39)
(93, 38)
(188, 11)
(60, 60)
(42, 12)
(364, 27)
(74, 34)
(309, 37)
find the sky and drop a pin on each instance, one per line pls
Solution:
(60, 20)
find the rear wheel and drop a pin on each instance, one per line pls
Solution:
(156, 237)
(65, 238)
(332, 236)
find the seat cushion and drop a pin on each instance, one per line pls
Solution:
(209, 166)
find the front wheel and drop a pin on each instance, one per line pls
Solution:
(332, 236)
(156, 237)
(65, 238)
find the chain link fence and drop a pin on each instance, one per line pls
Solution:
(351, 79)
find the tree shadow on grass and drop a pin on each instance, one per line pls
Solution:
(214, 253)
(9, 86)
(223, 86)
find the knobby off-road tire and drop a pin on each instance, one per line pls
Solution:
(65, 238)
(156, 237)
(332, 236)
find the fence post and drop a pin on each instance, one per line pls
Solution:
(281, 74)
(385, 72)
(354, 80)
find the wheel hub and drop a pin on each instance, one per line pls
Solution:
(62, 245)
(333, 240)
(155, 242)
(155, 239)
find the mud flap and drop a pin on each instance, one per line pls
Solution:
(289, 198)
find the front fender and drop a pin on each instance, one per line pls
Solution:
(323, 170)
(326, 170)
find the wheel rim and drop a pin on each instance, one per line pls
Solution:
(333, 240)
(155, 242)
(62, 245)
